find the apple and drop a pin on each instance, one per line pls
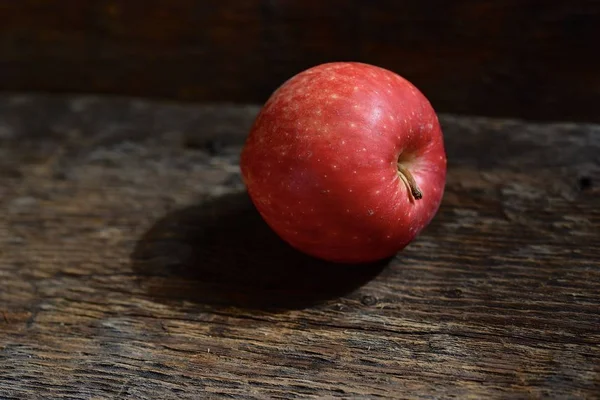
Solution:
(346, 162)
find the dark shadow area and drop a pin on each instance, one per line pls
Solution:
(222, 253)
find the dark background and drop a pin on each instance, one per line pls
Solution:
(535, 59)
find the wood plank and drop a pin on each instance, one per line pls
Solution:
(133, 266)
(519, 58)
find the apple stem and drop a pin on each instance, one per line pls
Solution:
(409, 180)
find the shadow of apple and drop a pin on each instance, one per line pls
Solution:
(222, 253)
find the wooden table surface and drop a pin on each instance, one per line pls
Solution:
(133, 266)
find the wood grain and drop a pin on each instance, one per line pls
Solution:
(132, 266)
(516, 58)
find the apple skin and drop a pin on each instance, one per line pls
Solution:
(321, 160)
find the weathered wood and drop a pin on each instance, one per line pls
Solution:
(132, 266)
(516, 58)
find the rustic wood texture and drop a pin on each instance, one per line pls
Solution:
(516, 58)
(132, 266)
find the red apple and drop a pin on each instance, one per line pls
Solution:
(346, 162)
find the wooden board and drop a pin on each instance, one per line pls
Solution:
(515, 58)
(132, 266)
